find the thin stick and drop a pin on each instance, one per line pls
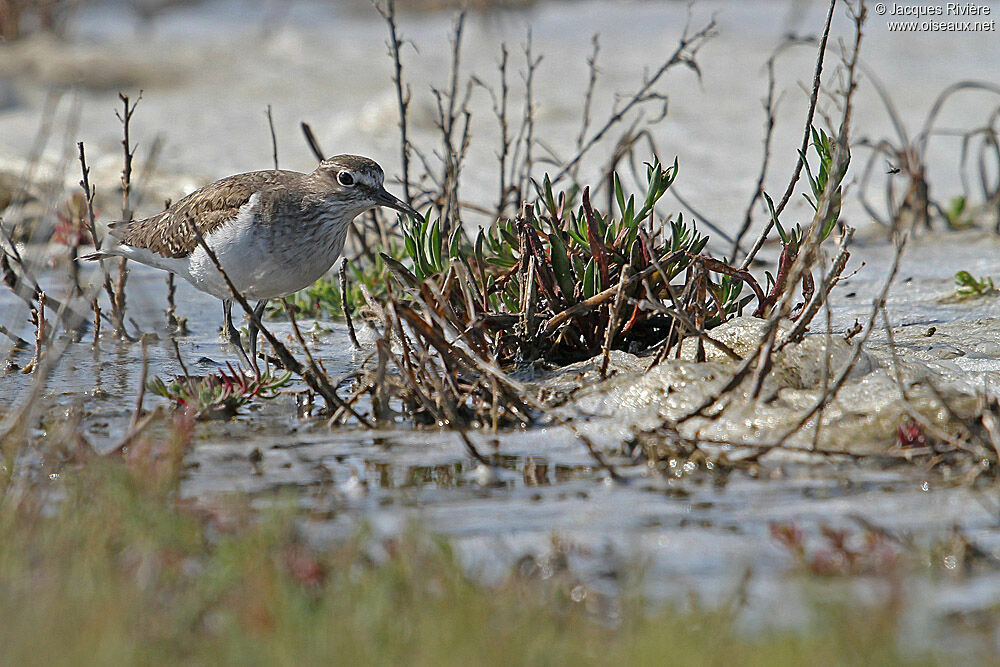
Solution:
(344, 306)
(388, 12)
(532, 64)
(171, 306)
(118, 306)
(683, 55)
(89, 191)
(588, 98)
(817, 77)
(126, 117)
(135, 430)
(825, 376)
(449, 109)
(118, 303)
(471, 448)
(96, 307)
(877, 305)
(609, 333)
(500, 112)
(274, 137)
(311, 140)
(180, 360)
(823, 293)
(597, 456)
(298, 334)
(769, 111)
(137, 413)
(38, 318)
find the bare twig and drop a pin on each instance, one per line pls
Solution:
(345, 306)
(311, 140)
(609, 332)
(298, 333)
(126, 118)
(96, 307)
(597, 456)
(274, 137)
(137, 412)
(455, 142)
(588, 99)
(118, 296)
(89, 191)
(500, 101)
(770, 108)
(471, 448)
(521, 161)
(684, 54)
(817, 79)
(388, 12)
(823, 293)
(877, 305)
(38, 319)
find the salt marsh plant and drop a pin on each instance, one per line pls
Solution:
(220, 395)
(967, 286)
(543, 284)
(559, 282)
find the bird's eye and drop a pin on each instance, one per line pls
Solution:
(345, 178)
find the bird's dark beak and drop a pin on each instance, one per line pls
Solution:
(384, 198)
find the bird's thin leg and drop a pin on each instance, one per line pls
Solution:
(258, 311)
(232, 333)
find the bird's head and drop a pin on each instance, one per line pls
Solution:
(357, 181)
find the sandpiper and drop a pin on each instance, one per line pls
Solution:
(274, 232)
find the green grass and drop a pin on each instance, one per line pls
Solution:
(120, 572)
(967, 286)
(958, 214)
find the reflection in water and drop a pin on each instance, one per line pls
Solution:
(440, 476)
(536, 471)
(532, 470)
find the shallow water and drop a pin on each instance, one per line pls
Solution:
(205, 91)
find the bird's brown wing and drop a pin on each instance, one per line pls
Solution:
(169, 233)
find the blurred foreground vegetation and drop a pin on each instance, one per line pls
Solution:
(104, 565)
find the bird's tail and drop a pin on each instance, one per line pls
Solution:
(96, 256)
(115, 231)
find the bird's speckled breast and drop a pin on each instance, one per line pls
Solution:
(267, 261)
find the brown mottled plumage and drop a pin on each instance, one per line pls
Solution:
(169, 234)
(274, 232)
(282, 193)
